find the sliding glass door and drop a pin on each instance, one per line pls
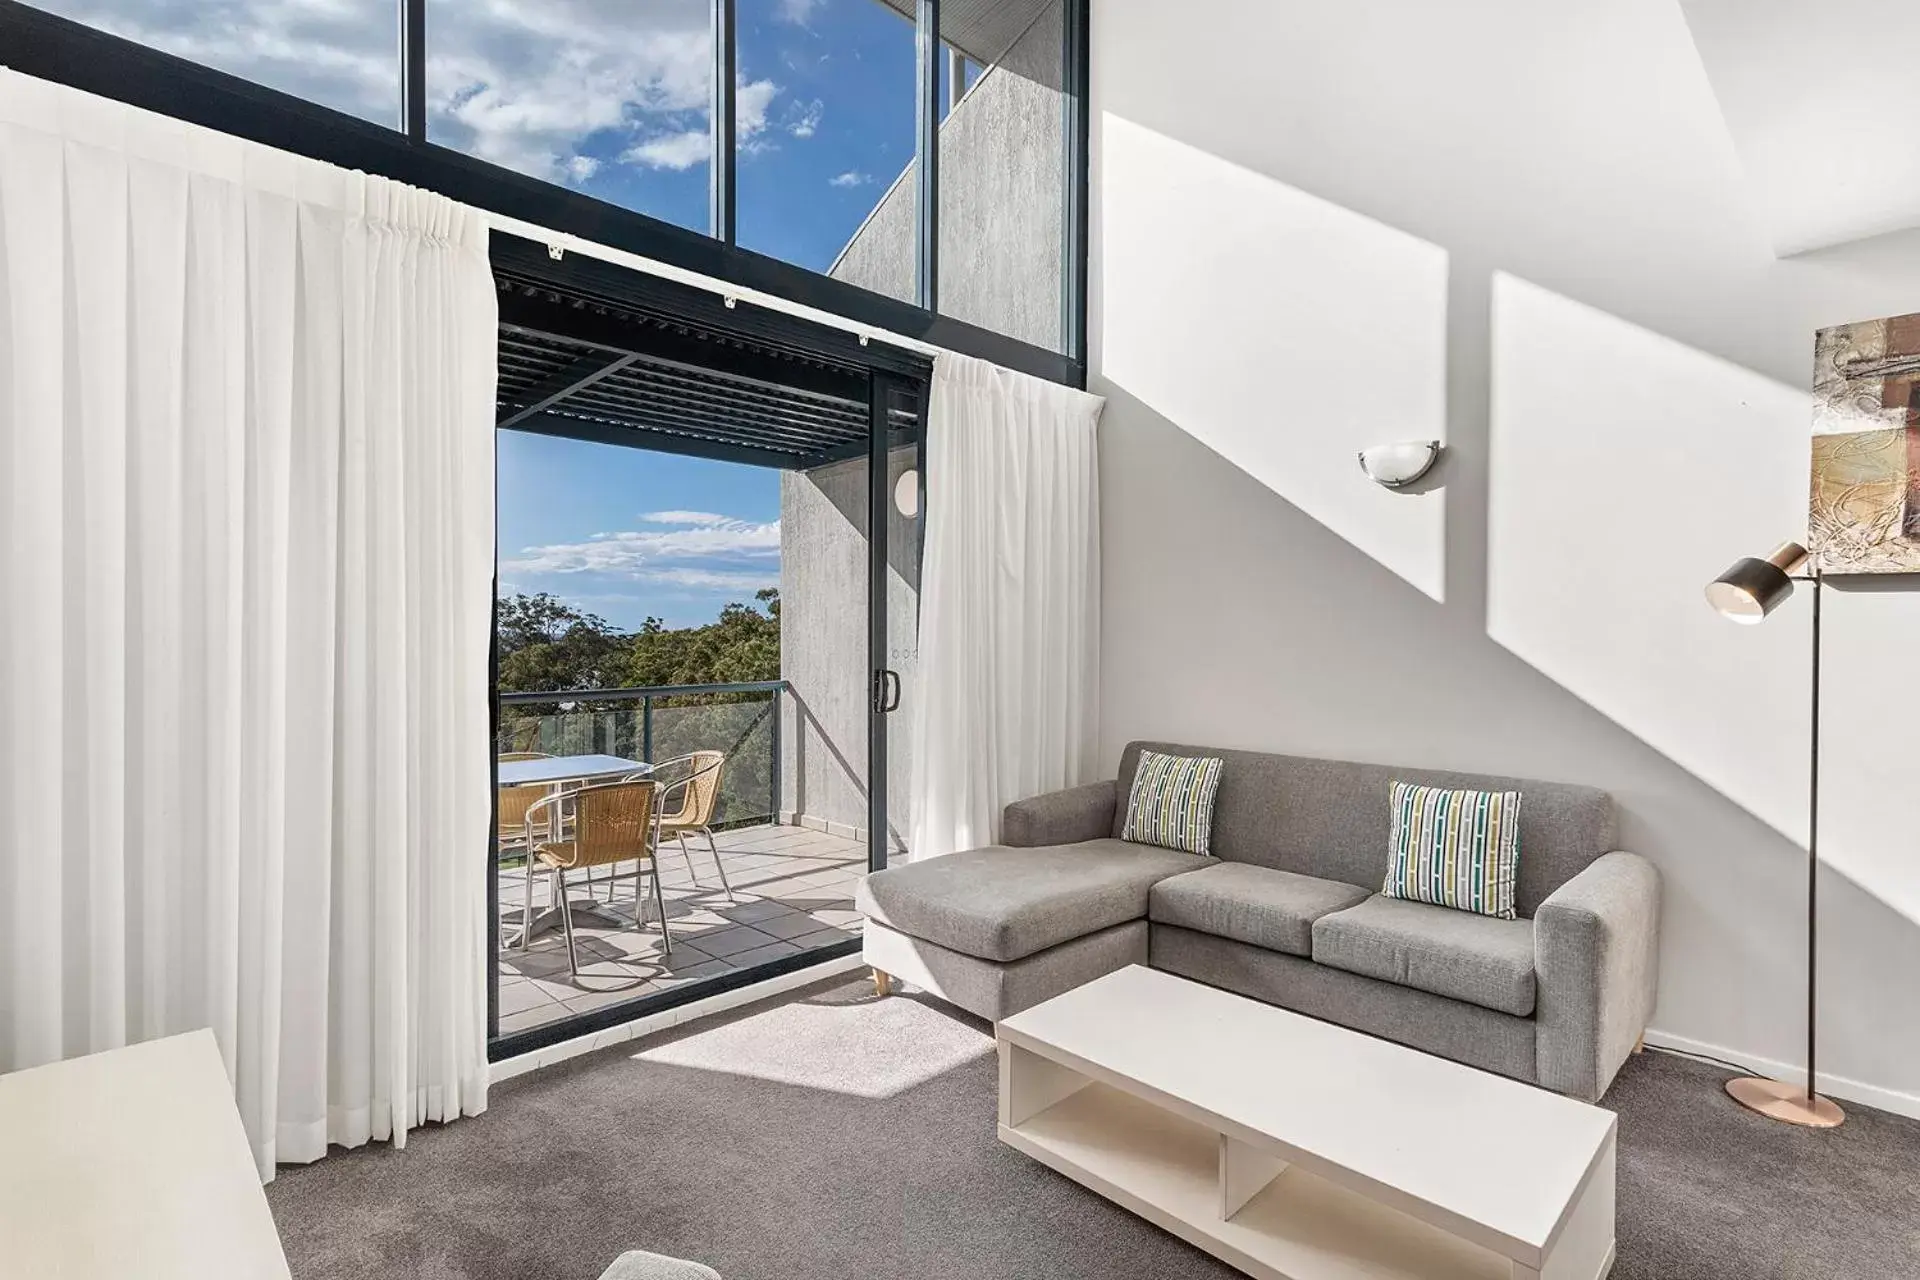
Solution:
(734, 642)
(898, 496)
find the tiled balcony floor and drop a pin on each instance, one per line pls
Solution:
(792, 888)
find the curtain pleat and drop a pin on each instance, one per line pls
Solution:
(246, 457)
(1009, 601)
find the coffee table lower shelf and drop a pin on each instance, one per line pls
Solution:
(1169, 1170)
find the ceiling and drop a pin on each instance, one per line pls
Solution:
(982, 29)
(1822, 102)
(600, 353)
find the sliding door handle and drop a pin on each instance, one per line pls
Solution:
(886, 690)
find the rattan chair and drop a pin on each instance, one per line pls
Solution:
(515, 834)
(514, 801)
(602, 825)
(699, 793)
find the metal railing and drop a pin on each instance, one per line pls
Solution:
(660, 722)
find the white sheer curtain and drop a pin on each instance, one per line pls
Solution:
(246, 550)
(1009, 676)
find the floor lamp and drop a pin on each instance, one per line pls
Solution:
(1748, 592)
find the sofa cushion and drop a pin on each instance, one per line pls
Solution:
(1328, 818)
(1252, 904)
(1171, 801)
(1479, 959)
(1002, 904)
(1453, 847)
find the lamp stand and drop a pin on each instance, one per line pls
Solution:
(1775, 1099)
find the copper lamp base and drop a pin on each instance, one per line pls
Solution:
(1789, 1103)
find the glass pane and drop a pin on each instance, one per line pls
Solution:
(738, 725)
(612, 99)
(343, 54)
(906, 498)
(824, 649)
(659, 582)
(1003, 170)
(826, 121)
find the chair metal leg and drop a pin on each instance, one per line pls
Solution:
(660, 902)
(687, 858)
(566, 918)
(718, 865)
(526, 902)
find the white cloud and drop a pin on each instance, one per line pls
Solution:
(637, 553)
(805, 120)
(335, 52)
(529, 84)
(674, 151)
(708, 518)
(851, 178)
(740, 580)
(685, 148)
(750, 103)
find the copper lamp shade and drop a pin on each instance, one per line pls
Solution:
(1752, 588)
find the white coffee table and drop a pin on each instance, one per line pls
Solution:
(1292, 1148)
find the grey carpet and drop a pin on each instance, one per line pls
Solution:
(830, 1135)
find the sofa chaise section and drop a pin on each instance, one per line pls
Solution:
(995, 930)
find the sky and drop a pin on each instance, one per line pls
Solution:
(630, 534)
(612, 98)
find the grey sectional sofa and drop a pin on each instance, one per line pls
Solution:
(1285, 910)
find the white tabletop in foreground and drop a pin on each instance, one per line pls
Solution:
(1500, 1165)
(521, 773)
(131, 1163)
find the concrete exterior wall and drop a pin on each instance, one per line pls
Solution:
(1001, 202)
(824, 641)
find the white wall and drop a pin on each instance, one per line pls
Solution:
(1521, 227)
(1822, 117)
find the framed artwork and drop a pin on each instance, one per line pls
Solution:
(1864, 509)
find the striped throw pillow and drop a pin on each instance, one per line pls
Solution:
(1457, 849)
(1171, 803)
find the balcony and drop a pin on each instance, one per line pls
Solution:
(792, 886)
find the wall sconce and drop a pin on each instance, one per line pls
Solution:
(1395, 466)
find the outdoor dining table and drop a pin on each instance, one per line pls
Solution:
(527, 773)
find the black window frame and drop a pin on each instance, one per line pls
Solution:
(48, 47)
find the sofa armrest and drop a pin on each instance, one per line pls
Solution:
(1596, 949)
(1060, 817)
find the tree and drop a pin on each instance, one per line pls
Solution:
(743, 644)
(547, 644)
(522, 620)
